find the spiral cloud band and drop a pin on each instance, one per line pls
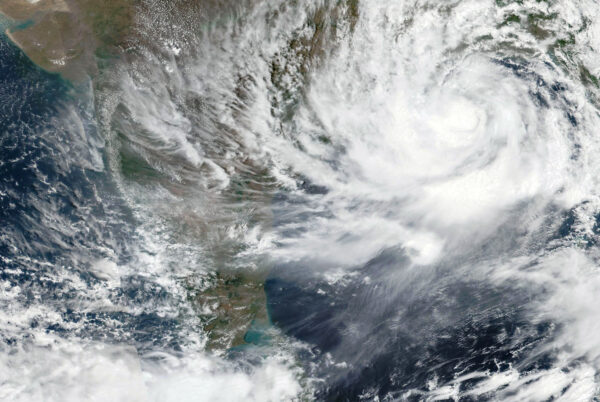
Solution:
(328, 200)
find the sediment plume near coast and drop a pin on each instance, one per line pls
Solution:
(66, 36)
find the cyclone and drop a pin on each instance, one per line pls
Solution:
(382, 200)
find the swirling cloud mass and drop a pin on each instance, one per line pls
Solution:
(301, 200)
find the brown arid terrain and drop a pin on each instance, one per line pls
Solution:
(75, 38)
(78, 39)
(68, 36)
(65, 36)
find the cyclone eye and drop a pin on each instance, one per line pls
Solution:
(274, 200)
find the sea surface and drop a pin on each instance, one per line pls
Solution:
(378, 200)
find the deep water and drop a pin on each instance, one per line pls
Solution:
(378, 200)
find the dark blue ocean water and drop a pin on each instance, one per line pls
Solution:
(60, 210)
(388, 327)
(391, 337)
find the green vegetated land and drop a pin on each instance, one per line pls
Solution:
(79, 38)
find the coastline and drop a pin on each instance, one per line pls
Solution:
(63, 36)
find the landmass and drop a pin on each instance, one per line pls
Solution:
(66, 36)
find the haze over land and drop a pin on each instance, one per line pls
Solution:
(299, 200)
